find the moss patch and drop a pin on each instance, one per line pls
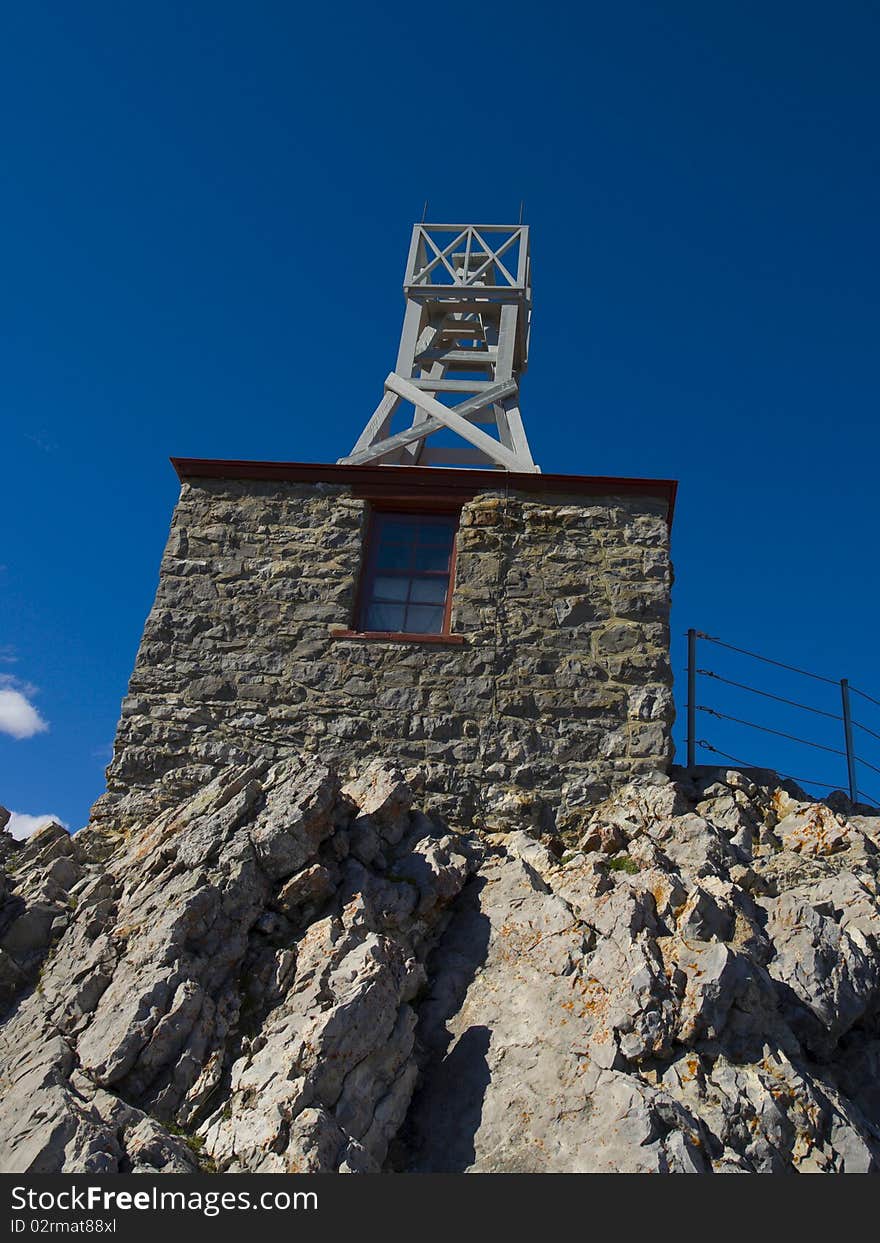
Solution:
(623, 863)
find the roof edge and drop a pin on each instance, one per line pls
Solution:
(436, 480)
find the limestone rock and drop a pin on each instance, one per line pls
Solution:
(668, 1022)
(287, 973)
(231, 971)
(382, 794)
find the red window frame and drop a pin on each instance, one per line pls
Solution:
(379, 515)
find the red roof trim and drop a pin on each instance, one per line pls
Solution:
(423, 481)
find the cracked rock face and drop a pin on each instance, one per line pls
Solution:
(288, 973)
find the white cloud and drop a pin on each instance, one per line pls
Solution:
(21, 825)
(18, 716)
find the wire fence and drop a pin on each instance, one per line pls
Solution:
(729, 719)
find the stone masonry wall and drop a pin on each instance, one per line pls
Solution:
(560, 692)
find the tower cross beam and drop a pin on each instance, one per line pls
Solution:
(439, 416)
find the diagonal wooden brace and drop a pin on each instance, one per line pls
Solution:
(455, 419)
(398, 441)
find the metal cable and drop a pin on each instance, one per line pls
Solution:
(707, 746)
(855, 690)
(875, 802)
(766, 729)
(865, 728)
(723, 716)
(779, 664)
(779, 698)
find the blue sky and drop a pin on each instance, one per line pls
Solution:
(199, 201)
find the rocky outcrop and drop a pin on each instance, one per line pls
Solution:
(243, 971)
(35, 901)
(288, 973)
(695, 989)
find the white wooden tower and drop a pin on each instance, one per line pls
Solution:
(464, 346)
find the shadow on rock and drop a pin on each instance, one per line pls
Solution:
(447, 1108)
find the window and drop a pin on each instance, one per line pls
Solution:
(407, 584)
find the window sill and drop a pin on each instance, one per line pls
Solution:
(396, 636)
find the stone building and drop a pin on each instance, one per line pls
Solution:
(503, 630)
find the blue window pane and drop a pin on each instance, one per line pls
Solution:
(390, 588)
(398, 530)
(437, 533)
(428, 590)
(394, 557)
(385, 617)
(407, 573)
(431, 558)
(424, 619)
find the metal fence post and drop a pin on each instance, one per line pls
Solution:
(692, 699)
(848, 737)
